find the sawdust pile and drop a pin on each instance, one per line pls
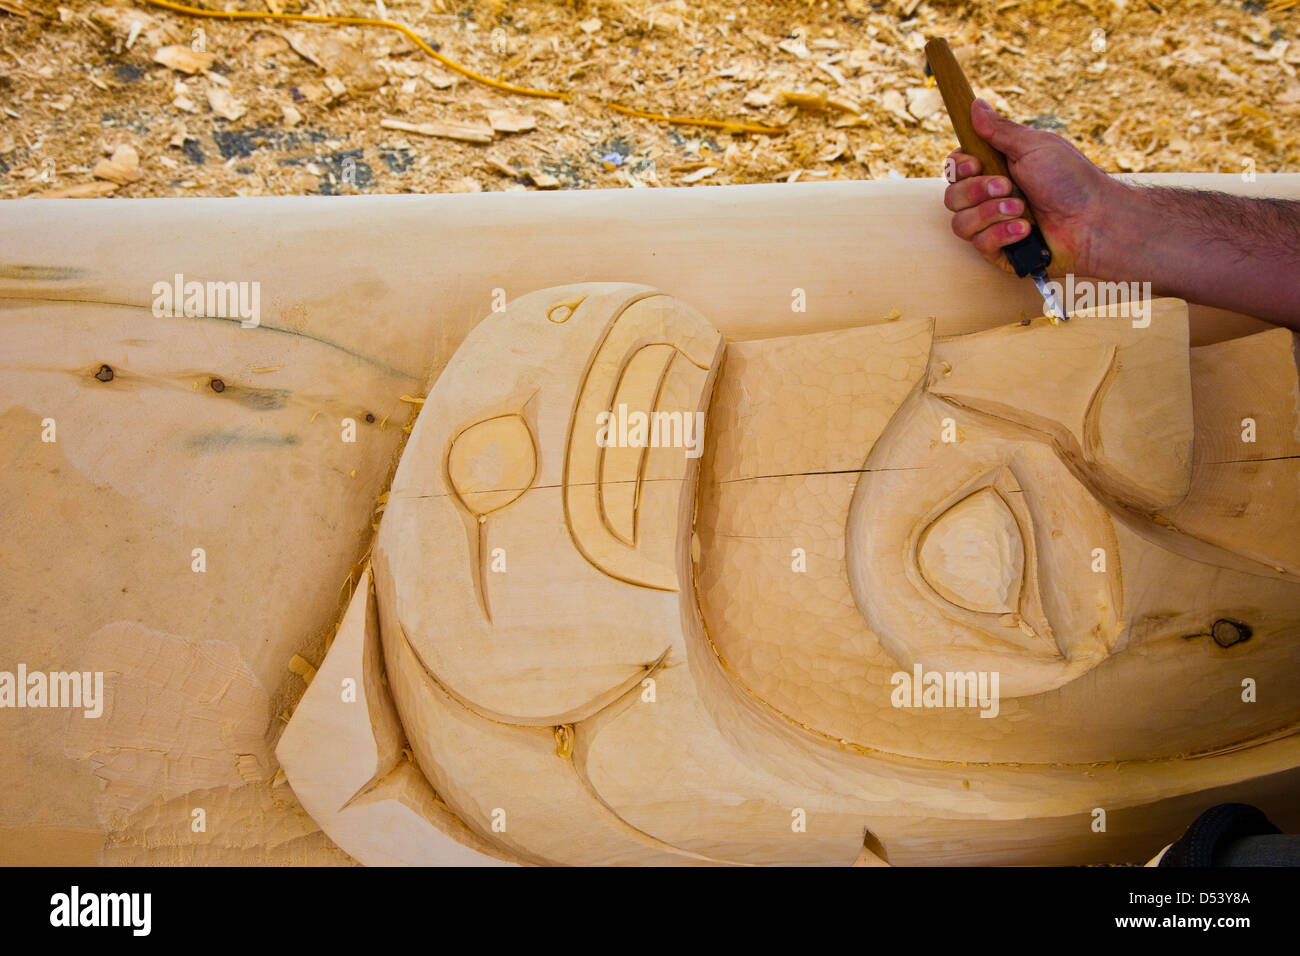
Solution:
(132, 100)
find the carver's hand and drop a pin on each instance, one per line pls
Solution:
(1069, 195)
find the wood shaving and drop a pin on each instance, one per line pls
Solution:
(184, 59)
(1202, 85)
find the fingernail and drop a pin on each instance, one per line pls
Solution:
(999, 187)
(966, 169)
(1019, 227)
(1009, 207)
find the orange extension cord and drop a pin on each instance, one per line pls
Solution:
(727, 126)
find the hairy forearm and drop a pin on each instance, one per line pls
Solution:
(1207, 247)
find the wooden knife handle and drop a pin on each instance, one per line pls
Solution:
(957, 98)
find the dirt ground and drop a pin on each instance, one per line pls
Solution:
(90, 106)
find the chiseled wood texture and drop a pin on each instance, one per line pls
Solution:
(807, 648)
(157, 462)
(551, 684)
(523, 692)
(1237, 485)
(344, 752)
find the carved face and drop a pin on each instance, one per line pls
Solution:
(546, 563)
(631, 671)
(986, 511)
(985, 565)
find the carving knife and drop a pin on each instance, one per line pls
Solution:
(1030, 255)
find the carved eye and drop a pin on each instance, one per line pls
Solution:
(492, 463)
(973, 554)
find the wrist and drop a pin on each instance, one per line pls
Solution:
(1119, 230)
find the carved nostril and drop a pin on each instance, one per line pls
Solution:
(973, 554)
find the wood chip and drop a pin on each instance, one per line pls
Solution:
(79, 191)
(820, 102)
(501, 166)
(662, 20)
(816, 102)
(795, 48)
(184, 59)
(122, 168)
(465, 132)
(544, 180)
(302, 46)
(438, 79)
(127, 22)
(510, 121)
(837, 151)
(224, 104)
(896, 103)
(1129, 160)
(300, 666)
(844, 105)
(181, 97)
(833, 73)
(313, 92)
(268, 45)
(699, 174)
(924, 101)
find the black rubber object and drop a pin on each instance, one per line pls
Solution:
(1214, 830)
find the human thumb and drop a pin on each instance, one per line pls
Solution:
(1010, 139)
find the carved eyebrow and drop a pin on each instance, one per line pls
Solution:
(655, 356)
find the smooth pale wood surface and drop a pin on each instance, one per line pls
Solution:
(366, 271)
(364, 300)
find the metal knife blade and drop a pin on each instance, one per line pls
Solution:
(1051, 299)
